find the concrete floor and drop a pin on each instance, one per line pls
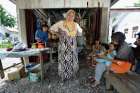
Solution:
(52, 83)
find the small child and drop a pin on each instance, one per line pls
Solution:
(104, 58)
(41, 35)
(107, 56)
(96, 49)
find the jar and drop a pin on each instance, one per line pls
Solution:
(34, 45)
(40, 45)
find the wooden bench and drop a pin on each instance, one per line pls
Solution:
(122, 83)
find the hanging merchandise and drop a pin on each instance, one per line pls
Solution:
(38, 23)
(49, 21)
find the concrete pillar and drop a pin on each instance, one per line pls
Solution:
(105, 21)
(22, 25)
(22, 29)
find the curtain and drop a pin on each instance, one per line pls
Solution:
(95, 24)
(30, 26)
(30, 30)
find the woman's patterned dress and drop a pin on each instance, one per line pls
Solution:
(67, 51)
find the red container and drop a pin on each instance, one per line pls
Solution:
(40, 45)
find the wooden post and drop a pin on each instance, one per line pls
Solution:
(1, 70)
(42, 68)
(22, 30)
(108, 87)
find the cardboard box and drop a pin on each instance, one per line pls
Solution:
(13, 74)
(21, 70)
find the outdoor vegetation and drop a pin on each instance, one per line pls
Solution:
(6, 19)
(137, 4)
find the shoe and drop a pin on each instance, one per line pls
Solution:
(96, 83)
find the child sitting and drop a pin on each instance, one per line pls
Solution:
(104, 58)
(97, 48)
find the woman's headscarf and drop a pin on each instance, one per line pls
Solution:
(70, 11)
(118, 37)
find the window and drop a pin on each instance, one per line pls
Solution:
(135, 30)
(126, 30)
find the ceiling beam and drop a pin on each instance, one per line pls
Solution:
(13, 1)
(113, 2)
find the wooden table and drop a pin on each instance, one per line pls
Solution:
(26, 53)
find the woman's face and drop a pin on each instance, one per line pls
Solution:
(138, 42)
(70, 16)
(115, 42)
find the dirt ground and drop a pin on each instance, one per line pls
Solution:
(52, 83)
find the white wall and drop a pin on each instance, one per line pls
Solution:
(129, 21)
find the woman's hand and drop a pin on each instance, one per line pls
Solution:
(53, 32)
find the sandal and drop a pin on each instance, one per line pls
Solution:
(91, 79)
(93, 65)
(96, 83)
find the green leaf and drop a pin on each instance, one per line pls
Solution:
(6, 19)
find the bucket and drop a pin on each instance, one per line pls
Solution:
(34, 76)
(34, 45)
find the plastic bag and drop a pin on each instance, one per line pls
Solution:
(19, 47)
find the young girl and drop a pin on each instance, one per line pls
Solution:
(104, 58)
(97, 48)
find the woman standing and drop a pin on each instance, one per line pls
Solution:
(67, 57)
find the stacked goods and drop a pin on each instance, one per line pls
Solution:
(13, 74)
(21, 70)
